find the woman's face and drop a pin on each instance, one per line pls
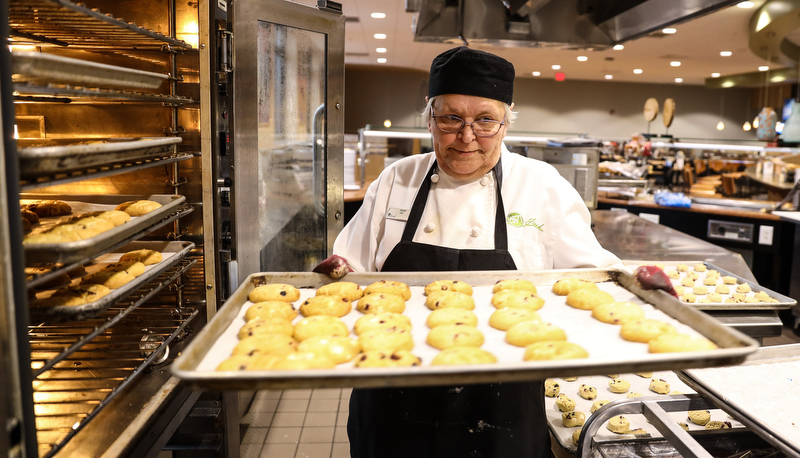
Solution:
(463, 154)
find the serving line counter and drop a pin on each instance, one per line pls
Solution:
(633, 238)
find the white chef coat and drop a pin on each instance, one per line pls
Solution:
(547, 221)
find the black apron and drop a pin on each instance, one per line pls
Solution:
(503, 420)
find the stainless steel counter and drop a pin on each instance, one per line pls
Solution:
(632, 238)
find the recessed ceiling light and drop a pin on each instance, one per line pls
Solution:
(381, 60)
(638, 71)
(536, 73)
(378, 15)
(763, 68)
(674, 63)
(380, 50)
(678, 80)
(379, 36)
(618, 47)
(556, 67)
(745, 4)
(725, 53)
(715, 75)
(609, 77)
(582, 58)
(669, 30)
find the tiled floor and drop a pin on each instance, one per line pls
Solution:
(296, 424)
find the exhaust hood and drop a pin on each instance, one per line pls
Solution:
(557, 23)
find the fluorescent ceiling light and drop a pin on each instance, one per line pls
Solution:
(678, 80)
(674, 63)
(745, 4)
(725, 53)
(763, 68)
(536, 73)
(381, 60)
(380, 50)
(638, 71)
(669, 30)
(715, 75)
(582, 58)
(556, 67)
(618, 47)
(379, 36)
(378, 15)
(608, 77)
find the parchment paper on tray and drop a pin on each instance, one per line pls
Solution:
(753, 300)
(171, 252)
(70, 252)
(608, 352)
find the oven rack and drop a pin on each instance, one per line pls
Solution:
(64, 23)
(68, 94)
(44, 278)
(103, 356)
(104, 170)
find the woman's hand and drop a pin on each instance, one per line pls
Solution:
(335, 267)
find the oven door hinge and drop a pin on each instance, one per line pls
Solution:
(224, 55)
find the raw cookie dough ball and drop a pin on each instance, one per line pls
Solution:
(345, 289)
(517, 298)
(674, 274)
(683, 425)
(658, 385)
(689, 298)
(565, 403)
(761, 296)
(551, 388)
(389, 339)
(391, 287)
(710, 281)
(319, 325)
(619, 385)
(743, 288)
(381, 303)
(565, 286)
(644, 330)
(618, 424)
(700, 290)
(571, 378)
(688, 282)
(338, 348)
(506, 317)
(274, 292)
(722, 289)
(718, 425)
(278, 344)
(134, 268)
(682, 267)
(699, 417)
(679, 289)
(270, 309)
(381, 321)
(108, 278)
(597, 404)
(572, 419)
(576, 436)
(700, 268)
(381, 358)
(326, 305)
(587, 299)
(714, 297)
(449, 285)
(261, 326)
(668, 343)
(644, 374)
(463, 355)
(587, 391)
(451, 315)
(528, 332)
(551, 349)
(617, 312)
(445, 299)
(729, 280)
(524, 285)
(303, 360)
(634, 394)
(454, 335)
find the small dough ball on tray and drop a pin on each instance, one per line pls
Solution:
(271, 309)
(699, 417)
(278, 344)
(463, 355)
(381, 358)
(550, 349)
(338, 348)
(524, 285)
(675, 342)
(261, 326)
(565, 286)
(449, 285)
(381, 320)
(446, 299)
(597, 404)
(455, 335)
(587, 299)
(644, 330)
(274, 292)
(551, 388)
(451, 315)
(618, 424)
(619, 385)
(506, 317)
(345, 289)
(138, 207)
(528, 332)
(319, 325)
(713, 424)
(391, 287)
(326, 305)
(517, 298)
(659, 385)
(587, 391)
(565, 403)
(381, 303)
(572, 419)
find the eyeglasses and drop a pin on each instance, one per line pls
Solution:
(481, 128)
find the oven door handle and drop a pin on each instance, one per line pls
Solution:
(319, 187)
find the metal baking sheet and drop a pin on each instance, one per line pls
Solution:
(761, 393)
(39, 161)
(784, 302)
(638, 385)
(32, 67)
(70, 252)
(609, 353)
(171, 252)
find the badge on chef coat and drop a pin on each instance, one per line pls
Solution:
(398, 214)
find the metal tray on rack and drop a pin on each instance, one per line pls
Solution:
(172, 253)
(608, 352)
(763, 396)
(38, 68)
(36, 161)
(70, 252)
(784, 302)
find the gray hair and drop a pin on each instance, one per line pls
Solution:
(510, 116)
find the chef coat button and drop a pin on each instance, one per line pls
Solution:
(476, 231)
(435, 178)
(429, 227)
(484, 180)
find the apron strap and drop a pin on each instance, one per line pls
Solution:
(418, 207)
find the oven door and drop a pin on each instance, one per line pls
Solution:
(288, 132)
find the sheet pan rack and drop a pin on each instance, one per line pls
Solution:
(66, 94)
(64, 23)
(113, 349)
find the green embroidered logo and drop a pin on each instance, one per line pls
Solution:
(516, 220)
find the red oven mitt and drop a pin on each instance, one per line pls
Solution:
(335, 267)
(651, 277)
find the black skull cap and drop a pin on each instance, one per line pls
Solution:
(468, 71)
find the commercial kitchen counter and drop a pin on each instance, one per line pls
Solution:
(631, 237)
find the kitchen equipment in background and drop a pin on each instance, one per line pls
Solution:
(578, 165)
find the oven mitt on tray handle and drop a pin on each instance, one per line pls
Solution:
(334, 266)
(651, 277)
